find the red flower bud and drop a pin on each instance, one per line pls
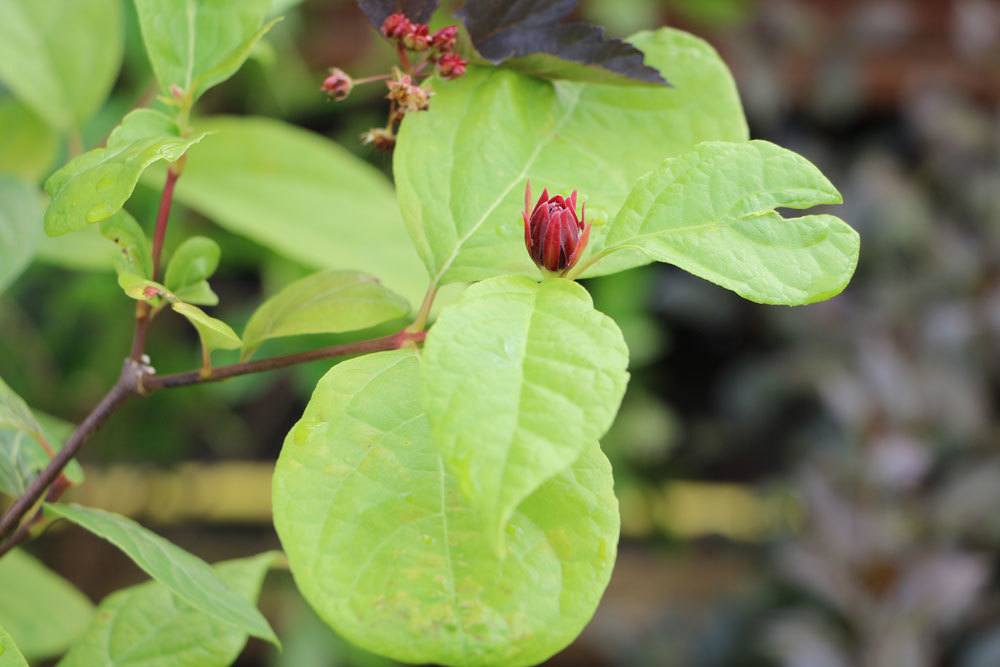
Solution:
(444, 39)
(338, 84)
(451, 66)
(417, 39)
(396, 26)
(553, 233)
(407, 95)
(380, 138)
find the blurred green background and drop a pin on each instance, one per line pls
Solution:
(811, 487)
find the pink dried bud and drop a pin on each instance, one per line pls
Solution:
(553, 233)
(176, 91)
(451, 66)
(407, 96)
(396, 26)
(418, 39)
(444, 39)
(338, 84)
(380, 138)
(150, 291)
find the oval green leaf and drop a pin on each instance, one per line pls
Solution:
(711, 212)
(196, 44)
(41, 609)
(461, 167)
(304, 197)
(384, 545)
(186, 575)
(520, 378)
(190, 267)
(61, 58)
(328, 302)
(20, 227)
(134, 254)
(95, 185)
(149, 626)
(214, 333)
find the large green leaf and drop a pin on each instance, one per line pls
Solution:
(385, 546)
(461, 167)
(186, 575)
(711, 212)
(95, 185)
(302, 196)
(195, 44)
(27, 144)
(10, 656)
(43, 611)
(61, 56)
(190, 267)
(22, 445)
(20, 227)
(519, 378)
(327, 302)
(148, 626)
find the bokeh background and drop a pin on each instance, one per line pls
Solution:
(809, 487)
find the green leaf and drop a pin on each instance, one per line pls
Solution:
(462, 202)
(214, 333)
(148, 626)
(20, 227)
(328, 302)
(196, 44)
(519, 378)
(194, 261)
(134, 254)
(711, 212)
(186, 575)
(95, 185)
(60, 57)
(57, 432)
(385, 547)
(28, 144)
(9, 655)
(302, 196)
(22, 445)
(43, 611)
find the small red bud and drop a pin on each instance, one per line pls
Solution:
(338, 84)
(396, 26)
(451, 66)
(417, 39)
(380, 138)
(444, 39)
(150, 291)
(176, 91)
(553, 233)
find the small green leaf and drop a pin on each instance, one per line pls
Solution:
(95, 185)
(28, 144)
(61, 58)
(328, 302)
(463, 213)
(186, 575)
(711, 212)
(20, 227)
(519, 379)
(41, 609)
(134, 251)
(196, 44)
(304, 197)
(214, 333)
(22, 445)
(149, 626)
(386, 548)
(139, 288)
(190, 267)
(9, 655)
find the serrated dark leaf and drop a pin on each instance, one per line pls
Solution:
(528, 35)
(418, 11)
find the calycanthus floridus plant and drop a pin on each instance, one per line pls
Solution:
(444, 497)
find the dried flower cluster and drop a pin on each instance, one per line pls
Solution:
(420, 52)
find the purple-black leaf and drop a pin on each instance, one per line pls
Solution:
(528, 35)
(418, 11)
